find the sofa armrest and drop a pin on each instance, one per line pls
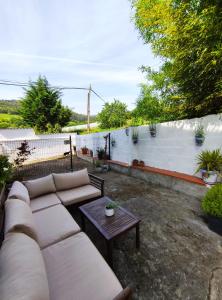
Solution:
(126, 294)
(97, 182)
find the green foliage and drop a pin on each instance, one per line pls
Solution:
(113, 114)
(149, 107)
(187, 35)
(199, 132)
(11, 121)
(42, 106)
(212, 202)
(10, 107)
(135, 136)
(5, 169)
(111, 205)
(78, 119)
(209, 160)
(101, 153)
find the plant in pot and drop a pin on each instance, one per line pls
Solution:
(152, 128)
(101, 153)
(135, 162)
(210, 164)
(110, 209)
(113, 142)
(84, 150)
(98, 166)
(199, 135)
(141, 163)
(135, 136)
(212, 207)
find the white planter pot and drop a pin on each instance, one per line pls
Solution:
(109, 212)
(209, 177)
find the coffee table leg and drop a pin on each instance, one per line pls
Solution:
(83, 223)
(109, 245)
(138, 236)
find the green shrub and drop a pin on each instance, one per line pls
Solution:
(209, 160)
(212, 201)
(5, 169)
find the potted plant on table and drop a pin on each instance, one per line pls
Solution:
(199, 135)
(110, 209)
(212, 207)
(210, 165)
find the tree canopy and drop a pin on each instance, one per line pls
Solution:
(187, 35)
(113, 114)
(41, 107)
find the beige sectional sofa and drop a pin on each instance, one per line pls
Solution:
(44, 254)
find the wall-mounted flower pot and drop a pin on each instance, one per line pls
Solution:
(199, 140)
(152, 129)
(153, 133)
(127, 131)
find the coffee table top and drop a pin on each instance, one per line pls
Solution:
(109, 227)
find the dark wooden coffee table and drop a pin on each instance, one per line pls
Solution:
(109, 227)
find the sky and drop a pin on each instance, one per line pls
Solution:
(73, 43)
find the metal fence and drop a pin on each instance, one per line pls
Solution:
(48, 154)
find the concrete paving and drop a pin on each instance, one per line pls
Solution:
(179, 257)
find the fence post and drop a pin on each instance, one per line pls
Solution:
(70, 144)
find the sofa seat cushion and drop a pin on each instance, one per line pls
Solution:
(76, 270)
(79, 194)
(19, 218)
(65, 181)
(43, 202)
(19, 191)
(54, 224)
(23, 275)
(40, 186)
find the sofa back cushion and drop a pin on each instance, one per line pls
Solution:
(18, 218)
(23, 275)
(19, 191)
(65, 181)
(40, 186)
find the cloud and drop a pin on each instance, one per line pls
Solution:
(75, 43)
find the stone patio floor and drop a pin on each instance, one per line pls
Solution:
(179, 257)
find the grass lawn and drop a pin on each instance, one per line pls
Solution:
(8, 117)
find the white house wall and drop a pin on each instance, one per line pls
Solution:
(173, 148)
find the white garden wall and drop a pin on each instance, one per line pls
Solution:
(173, 148)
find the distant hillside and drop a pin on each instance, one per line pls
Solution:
(9, 107)
(81, 118)
(12, 107)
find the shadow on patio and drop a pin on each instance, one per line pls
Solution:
(179, 257)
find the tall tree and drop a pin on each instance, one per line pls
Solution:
(41, 106)
(113, 114)
(187, 35)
